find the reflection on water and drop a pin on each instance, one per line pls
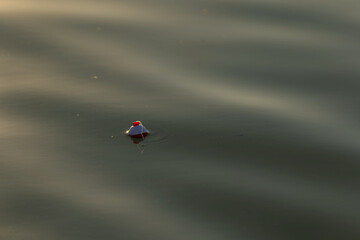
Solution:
(252, 108)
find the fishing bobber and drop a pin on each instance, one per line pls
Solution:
(137, 130)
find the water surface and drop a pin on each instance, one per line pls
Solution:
(253, 108)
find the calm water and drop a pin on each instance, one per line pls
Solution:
(253, 108)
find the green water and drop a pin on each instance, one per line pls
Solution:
(252, 107)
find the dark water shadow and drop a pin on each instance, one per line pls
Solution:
(285, 14)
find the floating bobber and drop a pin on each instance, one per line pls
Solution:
(137, 130)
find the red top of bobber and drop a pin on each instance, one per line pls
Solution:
(136, 123)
